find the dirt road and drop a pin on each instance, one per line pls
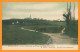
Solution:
(58, 38)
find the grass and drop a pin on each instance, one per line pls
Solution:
(12, 34)
(38, 24)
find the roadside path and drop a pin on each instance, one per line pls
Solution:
(58, 38)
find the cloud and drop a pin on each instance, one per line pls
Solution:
(45, 15)
(35, 6)
(47, 10)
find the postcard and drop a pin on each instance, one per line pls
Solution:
(40, 26)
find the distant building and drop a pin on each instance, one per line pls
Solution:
(17, 22)
(58, 20)
(12, 22)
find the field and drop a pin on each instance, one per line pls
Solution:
(12, 34)
(38, 24)
(30, 31)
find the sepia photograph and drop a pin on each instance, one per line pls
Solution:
(39, 25)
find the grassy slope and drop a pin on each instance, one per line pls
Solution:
(12, 34)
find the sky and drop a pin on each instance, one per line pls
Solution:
(41, 10)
